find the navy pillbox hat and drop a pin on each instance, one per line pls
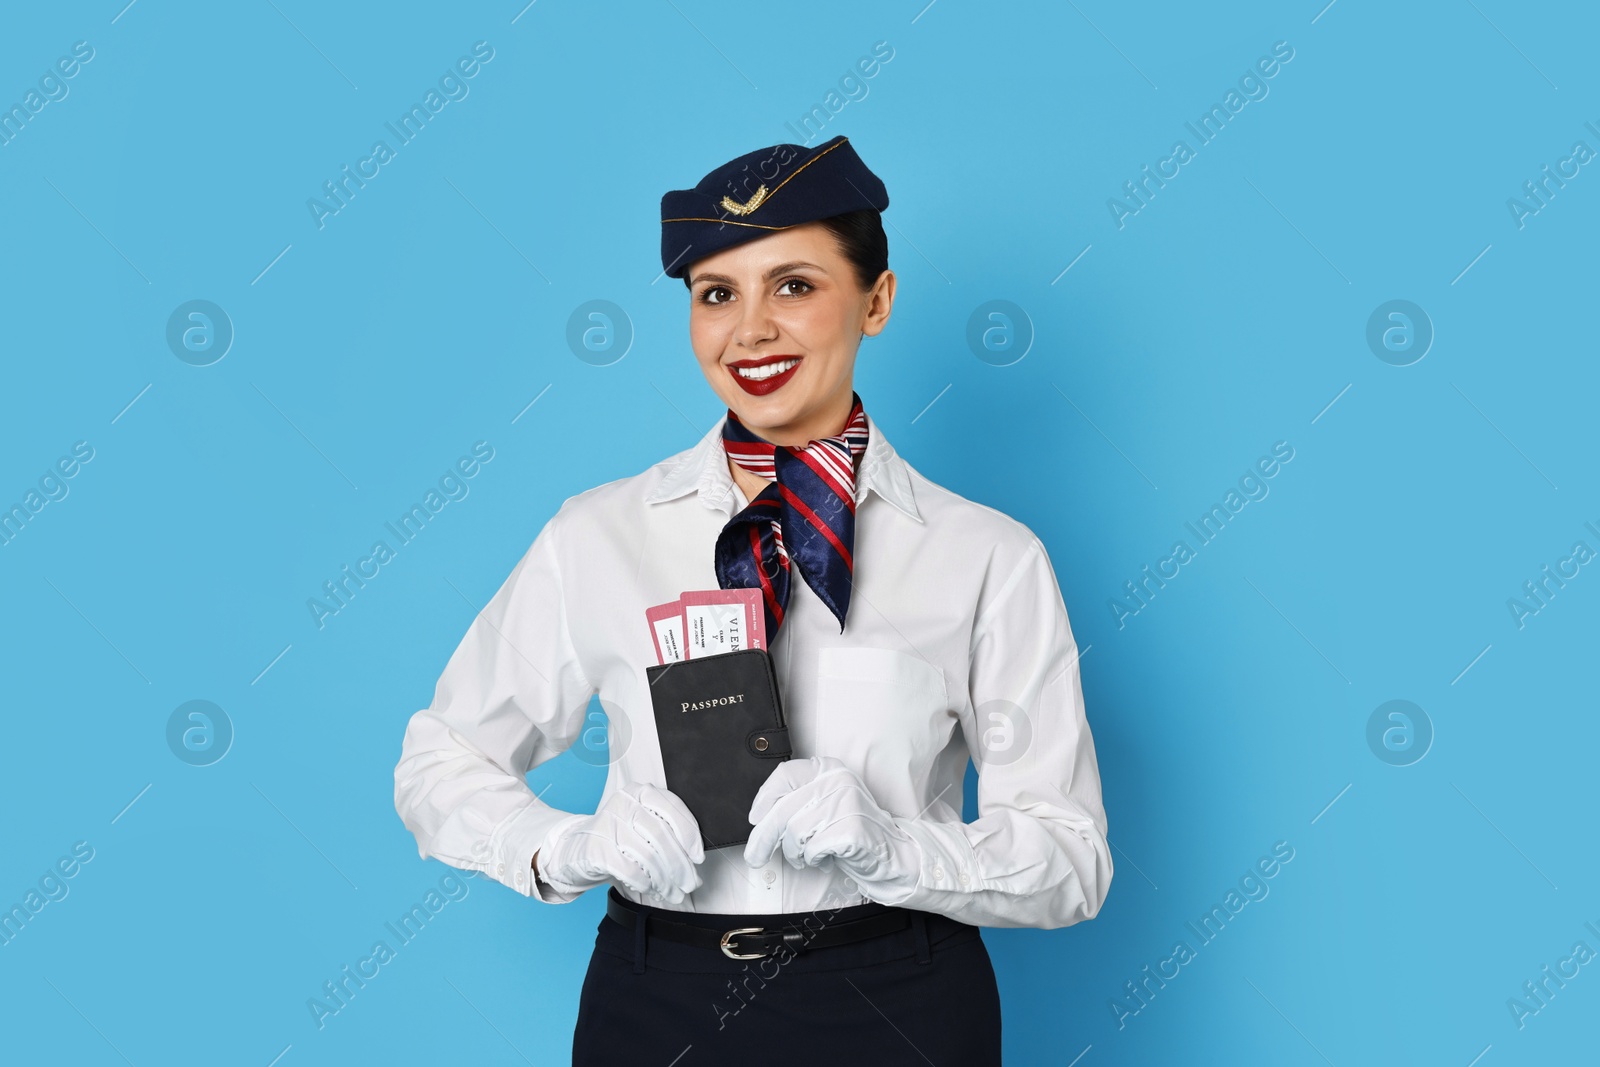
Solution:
(762, 191)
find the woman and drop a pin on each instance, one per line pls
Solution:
(923, 628)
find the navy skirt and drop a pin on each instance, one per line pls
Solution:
(922, 995)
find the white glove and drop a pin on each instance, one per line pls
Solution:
(819, 807)
(642, 836)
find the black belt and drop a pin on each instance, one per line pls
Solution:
(757, 942)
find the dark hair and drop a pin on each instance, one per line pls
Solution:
(863, 242)
(861, 239)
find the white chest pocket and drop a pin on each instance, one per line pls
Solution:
(885, 714)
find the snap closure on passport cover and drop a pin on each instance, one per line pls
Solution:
(771, 743)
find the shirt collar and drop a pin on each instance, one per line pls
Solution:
(704, 469)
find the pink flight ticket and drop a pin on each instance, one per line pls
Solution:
(707, 622)
(722, 620)
(666, 630)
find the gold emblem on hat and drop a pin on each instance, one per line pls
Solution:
(749, 205)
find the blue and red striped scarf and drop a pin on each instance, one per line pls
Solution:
(807, 515)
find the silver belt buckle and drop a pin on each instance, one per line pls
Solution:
(726, 951)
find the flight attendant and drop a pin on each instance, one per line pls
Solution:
(910, 629)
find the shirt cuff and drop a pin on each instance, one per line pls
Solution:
(522, 836)
(948, 862)
(940, 861)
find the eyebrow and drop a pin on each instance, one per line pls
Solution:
(781, 268)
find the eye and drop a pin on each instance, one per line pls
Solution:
(706, 294)
(805, 286)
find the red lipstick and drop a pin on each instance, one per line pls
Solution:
(763, 386)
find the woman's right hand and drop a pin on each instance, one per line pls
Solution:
(642, 836)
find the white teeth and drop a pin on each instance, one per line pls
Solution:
(755, 374)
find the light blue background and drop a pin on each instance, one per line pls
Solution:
(1224, 317)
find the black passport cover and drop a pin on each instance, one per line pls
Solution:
(720, 723)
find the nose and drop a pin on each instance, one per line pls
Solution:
(755, 326)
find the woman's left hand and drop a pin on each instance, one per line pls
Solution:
(819, 807)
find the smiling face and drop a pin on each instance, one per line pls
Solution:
(789, 311)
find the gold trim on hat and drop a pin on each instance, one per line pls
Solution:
(730, 222)
(760, 197)
(749, 205)
(807, 163)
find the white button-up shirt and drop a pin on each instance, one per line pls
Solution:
(956, 642)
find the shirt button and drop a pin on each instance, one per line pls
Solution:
(962, 878)
(770, 876)
(499, 868)
(938, 873)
